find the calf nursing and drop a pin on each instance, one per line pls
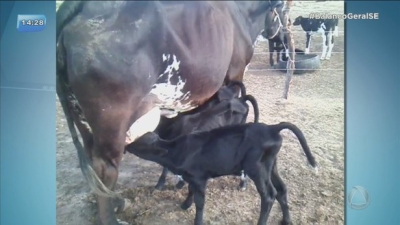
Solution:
(210, 115)
(227, 150)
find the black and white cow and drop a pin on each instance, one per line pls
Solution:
(326, 27)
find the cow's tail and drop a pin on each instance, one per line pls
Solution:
(66, 12)
(299, 134)
(336, 31)
(240, 84)
(253, 101)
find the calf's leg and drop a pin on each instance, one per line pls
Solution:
(161, 181)
(281, 195)
(243, 181)
(189, 199)
(261, 179)
(199, 200)
(271, 52)
(180, 183)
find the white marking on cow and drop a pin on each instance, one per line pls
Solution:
(336, 32)
(307, 50)
(323, 28)
(146, 123)
(138, 22)
(243, 177)
(330, 45)
(170, 95)
(324, 47)
(179, 178)
(165, 57)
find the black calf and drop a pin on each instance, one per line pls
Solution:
(206, 118)
(276, 44)
(277, 41)
(326, 27)
(228, 150)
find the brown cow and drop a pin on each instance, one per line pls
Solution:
(122, 63)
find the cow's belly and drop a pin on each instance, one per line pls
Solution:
(182, 87)
(174, 92)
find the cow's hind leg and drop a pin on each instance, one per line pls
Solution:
(330, 45)
(324, 45)
(281, 195)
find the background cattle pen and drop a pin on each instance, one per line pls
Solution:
(316, 105)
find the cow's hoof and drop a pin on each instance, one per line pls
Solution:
(159, 187)
(242, 187)
(122, 205)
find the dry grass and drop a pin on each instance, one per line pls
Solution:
(316, 105)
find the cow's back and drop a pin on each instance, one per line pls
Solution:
(132, 40)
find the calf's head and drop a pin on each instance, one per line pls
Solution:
(297, 21)
(146, 146)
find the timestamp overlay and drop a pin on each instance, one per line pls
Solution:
(31, 23)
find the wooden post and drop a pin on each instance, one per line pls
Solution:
(288, 33)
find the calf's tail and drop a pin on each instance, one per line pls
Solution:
(253, 101)
(240, 84)
(64, 14)
(300, 136)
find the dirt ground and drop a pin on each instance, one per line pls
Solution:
(315, 104)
